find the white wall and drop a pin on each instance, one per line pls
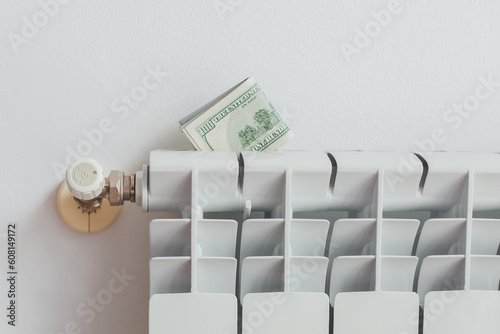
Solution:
(69, 75)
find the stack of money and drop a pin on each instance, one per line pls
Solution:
(241, 119)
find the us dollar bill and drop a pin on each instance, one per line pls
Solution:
(241, 119)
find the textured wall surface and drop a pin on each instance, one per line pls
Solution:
(369, 75)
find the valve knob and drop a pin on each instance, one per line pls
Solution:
(85, 179)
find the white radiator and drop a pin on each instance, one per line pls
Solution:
(361, 274)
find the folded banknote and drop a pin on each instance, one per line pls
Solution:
(241, 119)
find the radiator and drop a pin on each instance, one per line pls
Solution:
(262, 269)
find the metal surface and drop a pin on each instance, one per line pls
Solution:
(90, 205)
(115, 183)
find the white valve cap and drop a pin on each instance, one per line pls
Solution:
(85, 179)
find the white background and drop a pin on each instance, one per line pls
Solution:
(66, 77)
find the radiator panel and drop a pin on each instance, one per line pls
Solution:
(366, 273)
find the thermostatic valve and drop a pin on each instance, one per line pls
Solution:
(86, 181)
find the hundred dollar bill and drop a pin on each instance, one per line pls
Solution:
(241, 119)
